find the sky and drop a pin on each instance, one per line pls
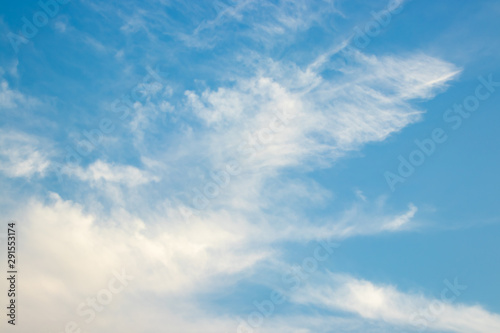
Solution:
(251, 166)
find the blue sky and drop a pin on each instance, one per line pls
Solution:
(214, 151)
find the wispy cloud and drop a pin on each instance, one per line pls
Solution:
(387, 304)
(11, 98)
(23, 155)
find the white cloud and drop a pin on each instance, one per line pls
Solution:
(100, 172)
(171, 259)
(23, 155)
(11, 99)
(360, 219)
(60, 26)
(387, 304)
(70, 254)
(295, 117)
